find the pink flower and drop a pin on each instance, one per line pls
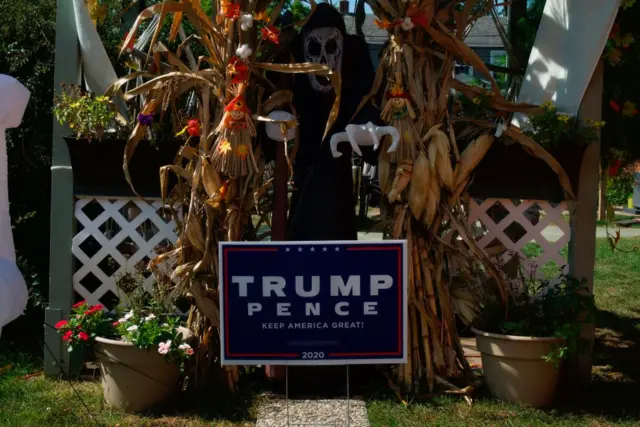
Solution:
(61, 323)
(116, 323)
(163, 347)
(94, 309)
(79, 304)
(83, 336)
(189, 351)
(67, 336)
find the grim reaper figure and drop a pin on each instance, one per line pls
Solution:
(323, 202)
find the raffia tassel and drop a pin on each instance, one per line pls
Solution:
(233, 154)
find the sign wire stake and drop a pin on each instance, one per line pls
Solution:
(286, 391)
(348, 400)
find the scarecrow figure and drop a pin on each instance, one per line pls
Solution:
(400, 114)
(323, 201)
(233, 153)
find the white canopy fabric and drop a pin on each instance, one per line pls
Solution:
(13, 291)
(568, 46)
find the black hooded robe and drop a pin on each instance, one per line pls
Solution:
(323, 203)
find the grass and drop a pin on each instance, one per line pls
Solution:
(610, 399)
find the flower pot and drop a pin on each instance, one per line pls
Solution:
(134, 379)
(97, 166)
(510, 172)
(514, 368)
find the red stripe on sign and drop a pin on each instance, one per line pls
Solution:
(372, 248)
(391, 353)
(265, 355)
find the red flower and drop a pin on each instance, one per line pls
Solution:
(94, 309)
(131, 43)
(79, 304)
(238, 70)
(614, 106)
(232, 11)
(193, 127)
(614, 168)
(271, 33)
(116, 323)
(61, 323)
(83, 336)
(67, 336)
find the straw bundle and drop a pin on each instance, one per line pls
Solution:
(220, 169)
(425, 179)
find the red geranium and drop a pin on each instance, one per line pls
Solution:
(79, 304)
(83, 336)
(61, 323)
(116, 323)
(67, 336)
(614, 168)
(94, 309)
(614, 106)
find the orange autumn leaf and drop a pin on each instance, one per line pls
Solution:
(261, 16)
(383, 25)
(232, 11)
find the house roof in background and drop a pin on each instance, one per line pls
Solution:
(483, 34)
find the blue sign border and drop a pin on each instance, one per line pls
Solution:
(282, 359)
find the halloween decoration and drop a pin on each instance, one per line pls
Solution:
(233, 153)
(365, 135)
(322, 206)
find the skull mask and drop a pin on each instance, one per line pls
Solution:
(323, 46)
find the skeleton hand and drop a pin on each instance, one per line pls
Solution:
(365, 135)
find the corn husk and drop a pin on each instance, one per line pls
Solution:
(420, 179)
(471, 157)
(401, 180)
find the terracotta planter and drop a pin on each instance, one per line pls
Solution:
(133, 379)
(514, 368)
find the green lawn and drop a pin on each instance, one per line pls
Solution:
(610, 399)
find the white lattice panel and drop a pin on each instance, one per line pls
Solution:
(536, 222)
(115, 236)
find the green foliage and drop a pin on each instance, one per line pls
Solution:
(620, 187)
(551, 129)
(549, 308)
(89, 116)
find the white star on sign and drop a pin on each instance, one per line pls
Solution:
(312, 249)
(288, 250)
(300, 249)
(324, 249)
(337, 249)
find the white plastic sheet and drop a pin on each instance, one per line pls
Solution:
(568, 46)
(13, 291)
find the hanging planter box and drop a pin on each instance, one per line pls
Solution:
(97, 166)
(510, 172)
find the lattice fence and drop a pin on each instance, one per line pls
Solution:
(113, 237)
(533, 228)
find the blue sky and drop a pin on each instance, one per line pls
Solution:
(352, 7)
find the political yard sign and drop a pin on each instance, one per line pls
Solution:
(313, 303)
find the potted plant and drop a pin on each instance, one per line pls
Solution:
(524, 340)
(97, 147)
(141, 353)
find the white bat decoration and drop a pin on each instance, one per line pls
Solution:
(365, 135)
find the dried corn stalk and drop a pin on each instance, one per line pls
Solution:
(427, 175)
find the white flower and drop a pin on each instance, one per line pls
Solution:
(163, 347)
(407, 25)
(132, 328)
(150, 317)
(244, 51)
(128, 316)
(246, 21)
(165, 325)
(500, 129)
